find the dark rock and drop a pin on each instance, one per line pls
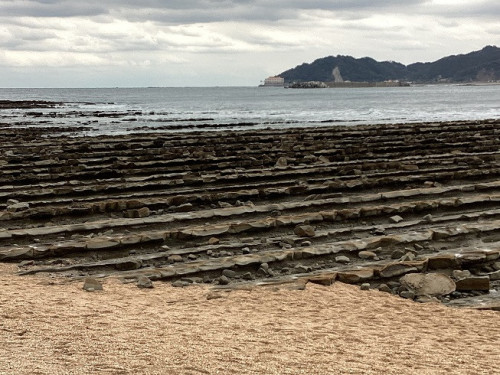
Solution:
(396, 219)
(179, 284)
(365, 286)
(384, 288)
(304, 231)
(355, 276)
(325, 280)
(223, 280)
(442, 261)
(91, 285)
(299, 268)
(427, 299)
(397, 254)
(481, 283)
(229, 273)
(396, 269)
(26, 263)
(215, 295)
(175, 258)
(129, 265)
(342, 259)
(247, 276)
(408, 294)
(144, 282)
(23, 206)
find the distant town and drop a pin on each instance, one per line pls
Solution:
(346, 71)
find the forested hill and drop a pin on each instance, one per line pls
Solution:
(483, 65)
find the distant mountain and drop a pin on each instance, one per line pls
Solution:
(483, 65)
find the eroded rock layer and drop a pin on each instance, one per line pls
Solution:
(365, 205)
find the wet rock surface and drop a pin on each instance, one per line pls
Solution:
(366, 205)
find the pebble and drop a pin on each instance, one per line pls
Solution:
(92, 285)
(384, 288)
(179, 284)
(342, 259)
(229, 273)
(213, 241)
(365, 286)
(223, 280)
(396, 219)
(144, 282)
(408, 294)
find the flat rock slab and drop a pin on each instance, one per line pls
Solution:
(428, 284)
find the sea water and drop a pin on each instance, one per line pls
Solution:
(123, 110)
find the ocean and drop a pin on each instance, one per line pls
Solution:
(125, 110)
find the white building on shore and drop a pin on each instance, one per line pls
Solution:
(275, 81)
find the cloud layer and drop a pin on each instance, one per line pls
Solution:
(224, 41)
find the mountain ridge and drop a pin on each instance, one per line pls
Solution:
(481, 65)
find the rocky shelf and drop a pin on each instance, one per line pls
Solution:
(411, 209)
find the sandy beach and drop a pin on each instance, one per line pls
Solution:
(52, 326)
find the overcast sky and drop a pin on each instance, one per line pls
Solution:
(107, 43)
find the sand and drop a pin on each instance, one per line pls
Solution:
(51, 326)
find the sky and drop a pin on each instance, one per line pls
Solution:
(125, 43)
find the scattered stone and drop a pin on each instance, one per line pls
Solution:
(396, 269)
(192, 256)
(304, 231)
(494, 276)
(26, 263)
(427, 299)
(408, 294)
(18, 207)
(431, 284)
(397, 254)
(11, 202)
(428, 218)
(128, 265)
(175, 258)
(213, 241)
(355, 276)
(180, 284)
(481, 283)
(214, 295)
(225, 205)
(367, 255)
(229, 273)
(246, 250)
(282, 162)
(418, 247)
(299, 268)
(325, 280)
(144, 282)
(460, 274)
(247, 276)
(384, 288)
(442, 261)
(223, 280)
(396, 219)
(408, 257)
(91, 285)
(306, 243)
(365, 286)
(342, 259)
